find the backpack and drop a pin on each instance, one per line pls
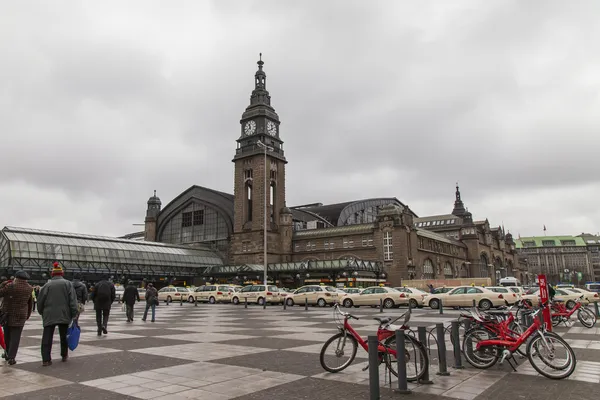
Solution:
(103, 292)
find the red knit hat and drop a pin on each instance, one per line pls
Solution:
(57, 270)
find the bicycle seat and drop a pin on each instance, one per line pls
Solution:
(382, 320)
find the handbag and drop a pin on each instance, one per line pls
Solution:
(73, 334)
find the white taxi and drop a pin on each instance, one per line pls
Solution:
(313, 295)
(213, 294)
(170, 293)
(258, 294)
(416, 295)
(463, 296)
(374, 295)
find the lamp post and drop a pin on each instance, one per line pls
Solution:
(265, 148)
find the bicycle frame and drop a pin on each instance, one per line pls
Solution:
(562, 311)
(382, 334)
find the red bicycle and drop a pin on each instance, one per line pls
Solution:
(346, 341)
(484, 347)
(560, 313)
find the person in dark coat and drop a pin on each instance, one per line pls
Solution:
(81, 293)
(151, 301)
(17, 304)
(130, 295)
(103, 295)
(57, 304)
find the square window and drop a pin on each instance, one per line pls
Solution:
(186, 219)
(199, 217)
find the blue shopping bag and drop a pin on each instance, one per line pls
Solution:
(73, 334)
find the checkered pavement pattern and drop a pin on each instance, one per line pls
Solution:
(231, 352)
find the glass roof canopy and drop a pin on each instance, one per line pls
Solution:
(31, 249)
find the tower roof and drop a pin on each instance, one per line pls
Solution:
(459, 207)
(154, 199)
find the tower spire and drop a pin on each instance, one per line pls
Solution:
(459, 207)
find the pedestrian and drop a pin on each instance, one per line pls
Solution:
(151, 301)
(103, 295)
(57, 304)
(130, 295)
(17, 305)
(81, 293)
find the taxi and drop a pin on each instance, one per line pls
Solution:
(463, 296)
(374, 295)
(313, 295)
(258, 294)
(171, 293)
(213, 294)
(416, 296)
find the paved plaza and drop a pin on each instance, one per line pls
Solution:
(220, 352)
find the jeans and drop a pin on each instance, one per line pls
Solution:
(129, 311)
(47, 338)
(102, 319)
(12, 337)
(148, 306)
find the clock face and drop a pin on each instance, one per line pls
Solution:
(250, 128)
(271, 128)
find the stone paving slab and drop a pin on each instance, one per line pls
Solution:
(230, 352)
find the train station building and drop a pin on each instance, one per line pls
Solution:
(208, 235)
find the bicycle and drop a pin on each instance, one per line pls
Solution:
(560, 313)
(497, 345)
(386, 334)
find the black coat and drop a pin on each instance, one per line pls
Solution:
(80, 291)
(130, 295)
(101, 303)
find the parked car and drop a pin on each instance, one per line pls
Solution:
(119, 290)
(171, 293)
(510, 296)
(258, 294)
(416, 295)
(313, 295)
(142, 293)
(213, 294)
(374, 295)
(463, 296)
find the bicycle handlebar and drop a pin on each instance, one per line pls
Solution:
(344, 314)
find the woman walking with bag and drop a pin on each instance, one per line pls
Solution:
(17, 306)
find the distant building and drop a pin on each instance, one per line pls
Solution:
(560, 258)
(593, 244)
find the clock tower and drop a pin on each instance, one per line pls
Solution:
(259, 179)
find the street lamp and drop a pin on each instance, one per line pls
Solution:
(265, 148)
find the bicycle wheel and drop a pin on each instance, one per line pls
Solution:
(586, 317)
(557, 356)
(486, 356)
(414, 354)
(340, 342)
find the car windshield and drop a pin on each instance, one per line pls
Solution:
(391, 289)
(515, 289)
(331, 289)
(272, 288)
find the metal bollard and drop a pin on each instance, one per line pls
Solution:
(305, 304)
(245, 302)
(168, 302)
(474, 304)
(441, 307)
(456, 336)
(422, 331)
(284, 304)
(264, 304)
(380, 305)
(196, 301)
(597, 309)
(181, 301)
(373, 344)
(467, 325)
(443, 369)
(400, 352)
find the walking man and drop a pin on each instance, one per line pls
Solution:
(81, 293)
(57, 304)
(103, 295)
(17, 304)
(130, 295)
(151, 301)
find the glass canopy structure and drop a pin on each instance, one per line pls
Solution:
(35, 251)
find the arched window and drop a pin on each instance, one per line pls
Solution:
(483, 266)
(428, 269)
(249, 201)
(272, 201)
(448, 270)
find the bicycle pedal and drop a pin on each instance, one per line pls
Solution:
(366, 368)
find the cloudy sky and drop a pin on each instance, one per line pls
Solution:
(103, 102)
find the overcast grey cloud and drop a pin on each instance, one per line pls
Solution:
(103, 102)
